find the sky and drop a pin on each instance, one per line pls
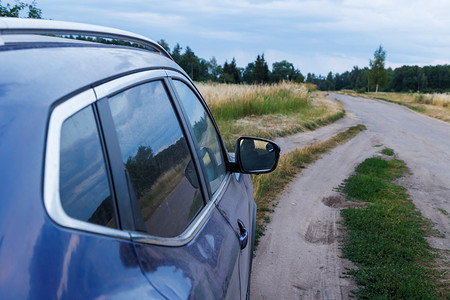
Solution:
(316, 36)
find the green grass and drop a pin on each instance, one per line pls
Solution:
(259, 232)
(418, 108)
(264, 209)
(384, 169)
(282, 102)
(387, 151)
(386, 238)
(443, 211)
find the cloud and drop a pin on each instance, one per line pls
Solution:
(311, 33)
(147, 18)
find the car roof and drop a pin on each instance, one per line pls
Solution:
(40, 26)
(38, 70)
(39, 73)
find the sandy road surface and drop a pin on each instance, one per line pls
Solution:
(303, 139)
(299, 257)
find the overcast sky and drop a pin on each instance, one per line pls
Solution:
(316, 36)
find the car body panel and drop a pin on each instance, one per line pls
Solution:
(64, 264)
(237, 206)
(43, 258)
(205, 268)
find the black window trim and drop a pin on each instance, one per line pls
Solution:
(107, 165)
(177, 76)
(192, 143)
(116, 168)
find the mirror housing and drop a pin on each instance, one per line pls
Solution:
(255, 155)
(191, 175)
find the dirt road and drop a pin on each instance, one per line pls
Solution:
(299, 257)
(303, 139)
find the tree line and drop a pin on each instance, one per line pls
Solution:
(19, 7)
(426, 79)
(258, 72)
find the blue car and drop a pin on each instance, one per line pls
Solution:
(115, 181)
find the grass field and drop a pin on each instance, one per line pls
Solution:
(268, 111)
(433, 105)
(436, 99)
(386, 238)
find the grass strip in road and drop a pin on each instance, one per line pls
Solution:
(416, 107)
(387, 151)
(273, 126)
(267, 187)
(386, 238)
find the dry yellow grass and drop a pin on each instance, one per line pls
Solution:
(220, 93)
(433, 105)
(160, 190)
(436, 99)
(293, 108)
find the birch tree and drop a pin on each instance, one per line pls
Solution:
(378, 74)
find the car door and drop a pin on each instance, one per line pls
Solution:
(183, 243)
(235, 200)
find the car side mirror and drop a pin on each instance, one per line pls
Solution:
(256, 155)
(210, 162)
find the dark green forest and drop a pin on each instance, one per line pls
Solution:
(426, 79)
(200, 69)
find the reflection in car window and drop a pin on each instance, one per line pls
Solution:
(156, 156)
(205, 133)
(84, 188)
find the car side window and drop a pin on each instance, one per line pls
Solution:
(83, 181)
(205, 133)
(157, 159)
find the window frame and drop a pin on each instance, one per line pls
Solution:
(97, 97)
(119, 85)
(117, 161)
(213, 197)
(52, 200)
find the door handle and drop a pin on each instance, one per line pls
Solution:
(243, 238)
